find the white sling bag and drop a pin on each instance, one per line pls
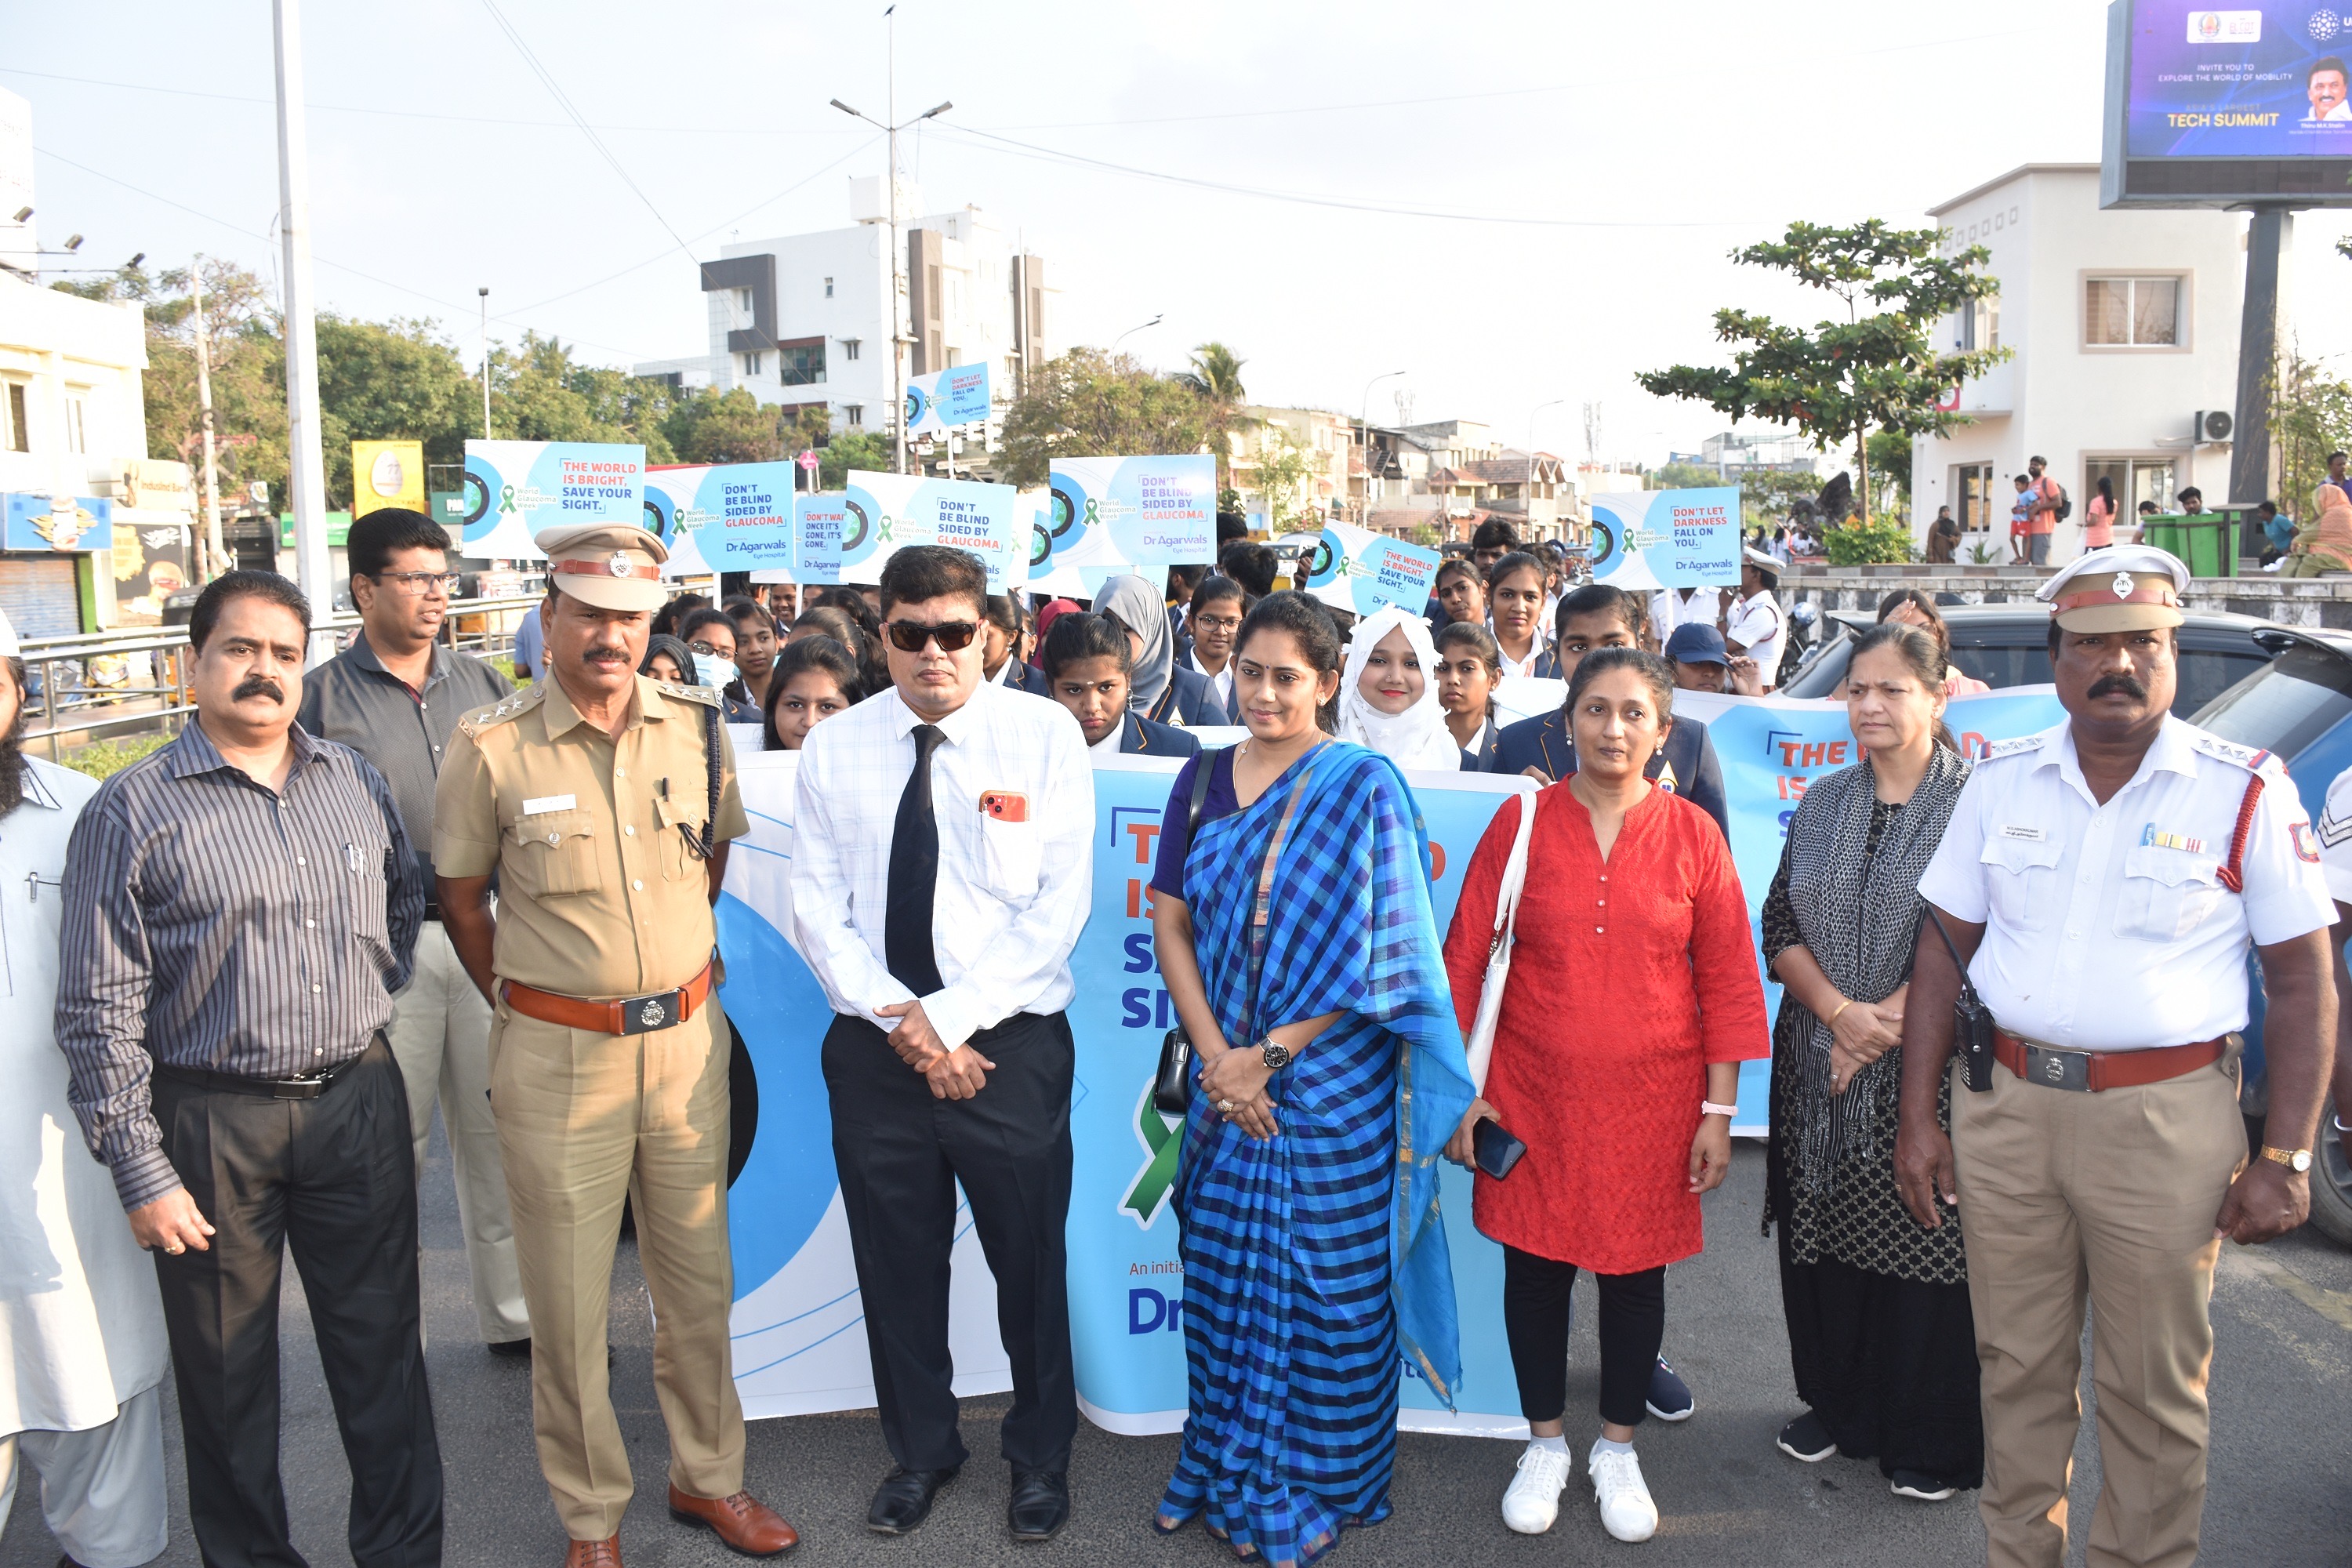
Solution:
(1481, 1043)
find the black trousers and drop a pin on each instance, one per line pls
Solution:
(1633, 1325)
(1888, 1364)
(900, 1153)
(333, 1178)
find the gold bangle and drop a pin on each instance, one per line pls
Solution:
(1841, 1011)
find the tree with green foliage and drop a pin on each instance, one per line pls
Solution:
(1890, 469)
(1280, 475)
(731, 426)
(867, 451)
(2311, 415)
(1843, 380)
(1090, 403)
(1216, 376)
(389, 380)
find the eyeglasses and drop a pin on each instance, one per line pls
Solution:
(1218, 623)
(909, 636)
(418, 584)
(711, 650)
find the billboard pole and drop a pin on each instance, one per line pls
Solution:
(2249, 456)
(306, 462)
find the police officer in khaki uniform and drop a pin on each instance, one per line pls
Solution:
(604, 801)
(2103, 881)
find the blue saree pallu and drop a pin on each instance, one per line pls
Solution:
(1315, 1269)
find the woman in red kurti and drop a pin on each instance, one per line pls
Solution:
(1633, 998)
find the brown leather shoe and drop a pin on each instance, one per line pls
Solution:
(593, 1554)
(745, 1523)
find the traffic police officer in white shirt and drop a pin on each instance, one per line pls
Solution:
(1758, 627)
(943, 869)
(2336, 865)
(2107, 876)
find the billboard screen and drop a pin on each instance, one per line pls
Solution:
(2264, 80)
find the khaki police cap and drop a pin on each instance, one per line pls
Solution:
(608, 564)
(2125, 587)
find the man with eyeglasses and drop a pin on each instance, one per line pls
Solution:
(942, 868)
(395, 696)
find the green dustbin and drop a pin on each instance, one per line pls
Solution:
(2207, 540)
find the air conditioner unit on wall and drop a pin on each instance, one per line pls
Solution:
(2211, 426)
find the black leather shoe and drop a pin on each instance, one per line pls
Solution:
(518, 1349)
(1040, 1505)
(903, 1501)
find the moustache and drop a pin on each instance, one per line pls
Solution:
(258, 686)
(2118, 684)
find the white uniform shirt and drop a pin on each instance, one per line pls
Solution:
(1537, 647)
(1011, 896)
(82, 1324)
(1222, 681)
(1669, 610)
(2336, 841)
(2108, 926)
(1758, 625)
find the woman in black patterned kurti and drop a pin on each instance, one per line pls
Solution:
(1880, 1334)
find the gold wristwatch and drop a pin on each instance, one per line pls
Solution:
(2295, 1159)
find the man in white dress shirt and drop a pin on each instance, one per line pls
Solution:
(1758, 627)
(942, 871)
(82, 1348)
(2108, 875)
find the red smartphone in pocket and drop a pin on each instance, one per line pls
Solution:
(1005, 805)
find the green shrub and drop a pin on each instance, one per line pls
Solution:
(101, 759)
(1869, 544)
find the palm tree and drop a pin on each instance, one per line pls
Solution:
(1217, 376)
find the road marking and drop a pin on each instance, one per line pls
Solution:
(2335, 1306)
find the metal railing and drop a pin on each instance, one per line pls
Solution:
(82, 688)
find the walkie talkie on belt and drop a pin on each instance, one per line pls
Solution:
(1971, 1019)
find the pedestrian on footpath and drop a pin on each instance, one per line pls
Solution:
(943, 869)
(603, 801)
(1880, 1338)
(240, 909)
(82, 1349)
(1631, 1001)
(394, 697)
(2102, 881)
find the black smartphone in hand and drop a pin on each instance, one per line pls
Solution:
(1494, 1150)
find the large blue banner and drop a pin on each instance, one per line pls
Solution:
(2257, 80)
(800, 1344)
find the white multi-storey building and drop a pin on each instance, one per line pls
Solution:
(805, 320)
(2122, 328)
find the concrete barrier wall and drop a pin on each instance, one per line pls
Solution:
(2296, 602)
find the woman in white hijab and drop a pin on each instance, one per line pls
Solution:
(1388, 694)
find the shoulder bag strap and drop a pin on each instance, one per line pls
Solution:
(1259, 909)
(1480, 1045)
(1203, 772)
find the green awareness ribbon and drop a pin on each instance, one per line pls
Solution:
(1165, 1141)
(884, 536)
(1094, 511)
(506, 498)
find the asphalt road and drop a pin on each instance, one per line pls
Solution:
(2282, 1467)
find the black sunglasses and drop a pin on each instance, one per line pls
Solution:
(909, 636)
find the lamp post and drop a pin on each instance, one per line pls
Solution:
(1132, 330)
(305, 458)
(485, 294)
(1527, 489)
(897, 339)
(1364, 434)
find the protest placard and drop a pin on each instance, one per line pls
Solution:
(885, 512)
(1356, 570)
(1145, 514)
(1667, 539)
(947, 398)
(721, 517)
(514, 489)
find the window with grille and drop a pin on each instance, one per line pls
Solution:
(849, 347)
(2132, 312)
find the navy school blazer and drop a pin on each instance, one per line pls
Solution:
(1142, 738)
(1545, 743)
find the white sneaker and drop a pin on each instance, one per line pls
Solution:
(1533, 1502)
(1626, 1510)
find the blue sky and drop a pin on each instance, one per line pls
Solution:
(1661, 135)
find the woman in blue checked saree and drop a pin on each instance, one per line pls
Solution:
(1315, 1269)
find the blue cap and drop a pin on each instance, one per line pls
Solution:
(1694, 642)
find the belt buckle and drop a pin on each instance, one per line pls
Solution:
(644, 1014)
(2055, 1069)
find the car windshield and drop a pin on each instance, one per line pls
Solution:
(2286, 704)
(2003, 659)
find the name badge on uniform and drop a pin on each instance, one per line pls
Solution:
(2030, 834)
(539, 805)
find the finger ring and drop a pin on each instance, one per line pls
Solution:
(174, 1248)
(1226, 1106)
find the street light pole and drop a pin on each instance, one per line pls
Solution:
(1132, 330)
(214, 548)
(305, 461)
(1364, 434)
(897, 338)
(485, 294)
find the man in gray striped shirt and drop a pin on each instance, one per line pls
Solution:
(239, 907)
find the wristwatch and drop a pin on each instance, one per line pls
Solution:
(1277, 1057)
(2295, 1159)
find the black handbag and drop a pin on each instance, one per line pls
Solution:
(1971, 1019)
(1172, 1084)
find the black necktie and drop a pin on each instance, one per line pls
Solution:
(914, 876)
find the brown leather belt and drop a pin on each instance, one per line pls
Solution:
(624, 1016)
(2092, 1071)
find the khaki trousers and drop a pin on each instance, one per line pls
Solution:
(585, 1118)
(2109, 1197)
(440, 1035)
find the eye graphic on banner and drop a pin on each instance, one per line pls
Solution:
(1064, 514)
(917, 405)
(853, 532)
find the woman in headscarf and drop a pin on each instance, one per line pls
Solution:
(668, 658)
(1162, 692)
(1388, 694)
